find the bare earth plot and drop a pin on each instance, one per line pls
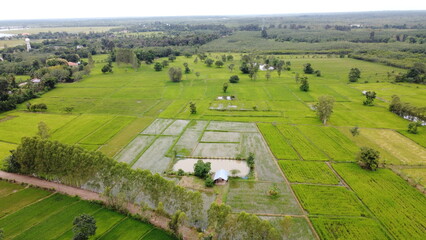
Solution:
(232, 126)
(221, 137)
(176, 127)
(137, 146)
(154, 157)
(158, 126)
(189, 138)
(292, 227)
(227, 150)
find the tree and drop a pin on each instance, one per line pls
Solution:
(229, 57)
(202, 169)
(172, 58)
(209, 182)
(412, 127)
(354, 74)
(43, 130)
(370, 96)
(176, 221)
(107, 68)
(219, 64)
(175, 74)
(1, 234)
(324, 108)
(354, 131)
(250, 160)
(158, 67)
(307, 68)
(231, 67)
(234, 79)
(192, 108)
(268, 75)
(84, 226)
(304, 84)
(187, 70)
(225, 87)
(165, 63)
(368, 158)
(197, 74)
(264, 33)
(209, 62)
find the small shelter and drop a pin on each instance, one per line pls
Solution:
(221, 177)
(35, 80)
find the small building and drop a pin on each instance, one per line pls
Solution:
(35, 80)
(221, 177)
(72, 64)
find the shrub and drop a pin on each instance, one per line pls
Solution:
(368, 158)
(209, 182)
(234, 79)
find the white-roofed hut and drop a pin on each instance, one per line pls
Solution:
(221, 177)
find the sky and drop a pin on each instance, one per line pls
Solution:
(48, 9)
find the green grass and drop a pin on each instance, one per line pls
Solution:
(329, 200)
(308, 172)
(253, 197)
(16, 201)
(348, 228)
(80, 128)
(128, 229)
(25, 218)
(59, 222)
(303, 145)
(108, 130)
(277, 142)
(331, 141)
(419, 137)
(396, 204)
(7, 188)
(156, 234)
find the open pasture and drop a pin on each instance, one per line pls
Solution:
(308, 172)
(395, 203)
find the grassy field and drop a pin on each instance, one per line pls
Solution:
(396, 204)
(31, 213)
(308, 172)
(139, 117)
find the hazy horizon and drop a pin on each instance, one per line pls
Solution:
(79, 9)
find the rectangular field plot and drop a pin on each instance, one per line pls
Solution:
(156, 234)
(348, 228)
(303, 146)
(23, 124)
(79, 128)
(154, 158)
(128, 229)
(276, 141)
(137, 146)
(417, 174)
(228, 150)
(232, 126)
(58, 223)
(107, 131)
(117, 106)
(308, 172)
(253, 197)
(20, 199)
(176, 127)
(419, 137)
(329, 200)
(405, 150)
(158, 126)
(281, 93)
(266, 168)
(5, 149)
(7, 188)
(288, 227)
(24, 219)
(189, 139)
(330, 140)
(399, 206)
(234, 137)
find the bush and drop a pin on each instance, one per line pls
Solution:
(175, 74)
(234, 79)
(202, 169)
(209, 182)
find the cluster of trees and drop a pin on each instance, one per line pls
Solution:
(369, 98)
(406, 110)
(202, 170)
(75, 166)
(354, 75)
(416, 74)
(226, 225)
(307, 69)
(368, 158)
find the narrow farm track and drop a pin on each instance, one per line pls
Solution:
(154, 219)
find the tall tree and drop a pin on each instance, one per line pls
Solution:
(175, 74)
(324, 108)
(354, 74)
(43, 130)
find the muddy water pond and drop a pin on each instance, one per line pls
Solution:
(187, 165)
